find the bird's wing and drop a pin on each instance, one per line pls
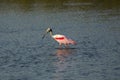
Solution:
(58, 35)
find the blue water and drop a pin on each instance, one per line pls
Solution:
(25, 56)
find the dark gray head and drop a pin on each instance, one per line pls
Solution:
(47, 31)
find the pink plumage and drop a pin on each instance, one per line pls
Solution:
(61, 39)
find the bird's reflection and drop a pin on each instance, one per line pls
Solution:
(63, 62)
(63, 53)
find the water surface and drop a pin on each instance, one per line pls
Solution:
(94, 25)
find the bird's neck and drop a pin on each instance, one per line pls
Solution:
(51, 33)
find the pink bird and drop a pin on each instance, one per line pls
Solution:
(61, 39)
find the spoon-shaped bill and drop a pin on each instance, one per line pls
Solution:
(43, 36)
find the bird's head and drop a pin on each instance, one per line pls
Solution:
(49, 30)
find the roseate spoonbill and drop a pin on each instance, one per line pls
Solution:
(61, 39)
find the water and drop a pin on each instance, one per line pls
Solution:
(93, 25)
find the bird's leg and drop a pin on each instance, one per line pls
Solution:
(60, 45)
(66, 46)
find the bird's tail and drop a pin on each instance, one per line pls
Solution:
(72, 42)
